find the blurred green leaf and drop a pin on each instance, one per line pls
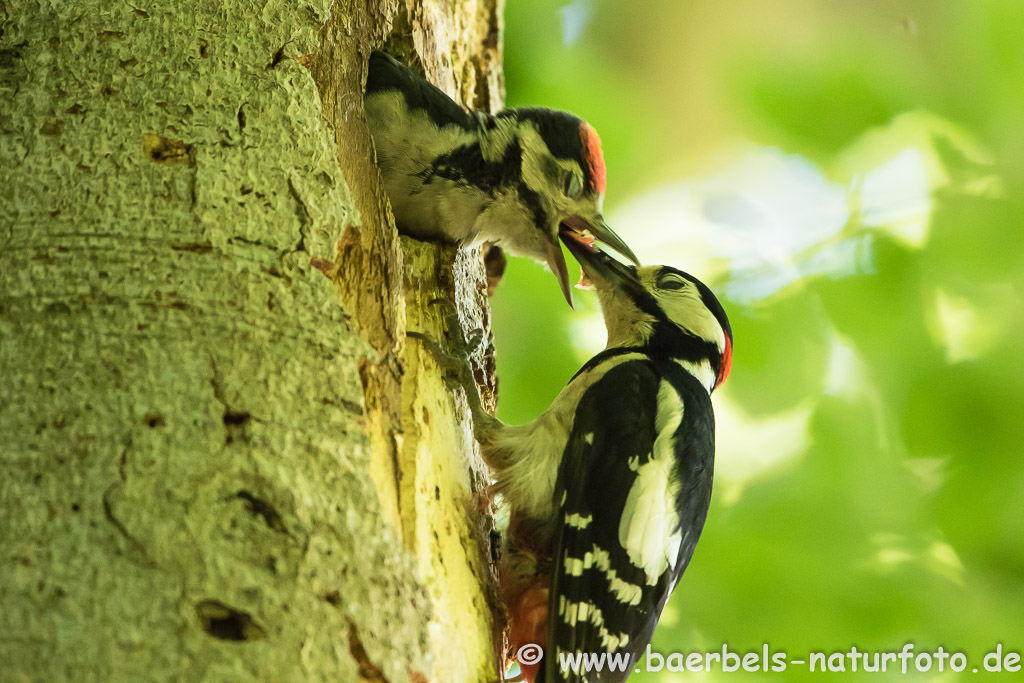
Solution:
(781, 351)
(823, 105)
(899, 519)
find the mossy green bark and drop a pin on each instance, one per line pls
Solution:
(185, 440)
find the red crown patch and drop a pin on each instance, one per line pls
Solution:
(593, 157)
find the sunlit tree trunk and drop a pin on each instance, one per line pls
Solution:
(219, 458)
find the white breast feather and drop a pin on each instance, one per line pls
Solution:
(649, 528)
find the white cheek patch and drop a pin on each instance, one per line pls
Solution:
(649, 530)
(686, 309)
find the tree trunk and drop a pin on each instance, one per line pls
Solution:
(219, 459)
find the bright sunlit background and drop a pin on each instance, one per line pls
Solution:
(849, 178)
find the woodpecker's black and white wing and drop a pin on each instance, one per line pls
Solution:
(387, 74)
(634, 487)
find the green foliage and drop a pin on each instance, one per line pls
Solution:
(793, 366)
(896, 516)
(819, 107)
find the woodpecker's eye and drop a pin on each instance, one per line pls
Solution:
(671, 281)
(572, 186)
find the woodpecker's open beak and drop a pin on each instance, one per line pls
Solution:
(578, 231)
(556, 262)
(589, 231)
(599, 267)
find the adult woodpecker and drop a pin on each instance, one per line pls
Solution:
(519, 178)
(610, 487)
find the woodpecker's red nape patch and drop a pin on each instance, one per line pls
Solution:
(726, 367)
(592, 157)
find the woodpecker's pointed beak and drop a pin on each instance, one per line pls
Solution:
(556, 262)
(601, 269)
(590, 231)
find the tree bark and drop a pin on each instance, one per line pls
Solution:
(219, 458)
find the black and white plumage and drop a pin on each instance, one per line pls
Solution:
(521, 178)
(610, 487)
(635, 487)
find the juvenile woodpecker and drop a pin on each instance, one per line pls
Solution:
(520, 178)
(610, 487)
